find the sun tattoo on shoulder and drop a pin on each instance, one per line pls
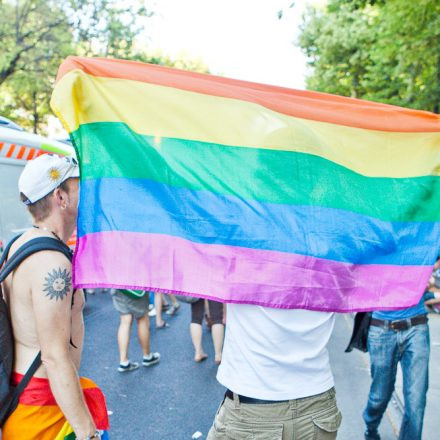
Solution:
(58, 283)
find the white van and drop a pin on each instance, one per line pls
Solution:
(16, 147)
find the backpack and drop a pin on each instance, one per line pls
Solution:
(10, 394)
(359, 336)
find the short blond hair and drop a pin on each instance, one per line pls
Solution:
(40, 210)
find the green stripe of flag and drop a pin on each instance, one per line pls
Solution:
(113, 150)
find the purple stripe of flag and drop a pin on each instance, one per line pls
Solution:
(222, 273)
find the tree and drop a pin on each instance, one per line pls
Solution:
(37, 35)
(26, 34)
(406, 58)
(387, 51)
(338, 47)
(104, 27)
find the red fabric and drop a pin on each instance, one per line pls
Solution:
(38, 393)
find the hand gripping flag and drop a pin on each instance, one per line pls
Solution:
(249, 193)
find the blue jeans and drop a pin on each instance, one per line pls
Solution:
(387, 348)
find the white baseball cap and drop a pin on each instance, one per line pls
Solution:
(42, 175)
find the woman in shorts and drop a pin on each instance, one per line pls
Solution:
(133, 304)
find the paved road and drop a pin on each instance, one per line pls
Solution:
(177, 397)
(171, 400)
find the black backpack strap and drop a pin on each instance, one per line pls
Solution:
(24, 251)
(11, 402)
(27, 377)
(7, 248)
(29, 248)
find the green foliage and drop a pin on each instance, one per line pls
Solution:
(106, 27)
(36, 35)
(338, 46)
(387, 51)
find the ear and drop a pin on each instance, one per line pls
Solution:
(61, 198)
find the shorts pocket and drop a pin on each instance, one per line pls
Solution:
(254, 431)
(218, 426)
(327, 425)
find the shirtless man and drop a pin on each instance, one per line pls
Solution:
(46, 313)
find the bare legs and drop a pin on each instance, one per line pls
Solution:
(196, 336)
(217, 328)
(158, 302)
(218, 333)
(124, 336)
(143, 325)
(143, 328)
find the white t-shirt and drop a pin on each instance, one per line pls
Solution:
(276, 354)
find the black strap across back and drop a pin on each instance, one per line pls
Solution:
(6, 267)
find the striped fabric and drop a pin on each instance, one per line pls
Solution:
(39, 417)
(249, 193)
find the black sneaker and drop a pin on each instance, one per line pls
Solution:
(154, 358)
(129, 367)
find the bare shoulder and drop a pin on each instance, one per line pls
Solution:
(50, 272)
(45, 270)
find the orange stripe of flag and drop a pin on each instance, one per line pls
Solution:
(324, 107)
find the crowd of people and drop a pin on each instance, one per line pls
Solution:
(137, 305)
(273, 363)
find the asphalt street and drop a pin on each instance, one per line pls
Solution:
(178, 398)
(171, 400)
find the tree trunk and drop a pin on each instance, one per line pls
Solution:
(437, 97)
(35, 114)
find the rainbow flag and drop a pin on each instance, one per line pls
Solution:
(38, 416)
(249, 193)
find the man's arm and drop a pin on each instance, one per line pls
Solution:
(52, 300)
(436, 296)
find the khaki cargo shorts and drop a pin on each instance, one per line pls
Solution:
(310, 418)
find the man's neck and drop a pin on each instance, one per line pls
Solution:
(57, 228)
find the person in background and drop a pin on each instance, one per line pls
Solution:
(399, 336)
(172, 309)
(432, 298)
(160, 305)
(217, 328)
(133, 304)
(159, 308)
